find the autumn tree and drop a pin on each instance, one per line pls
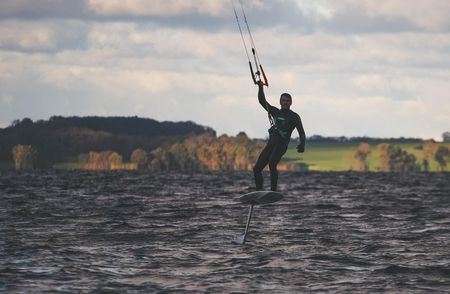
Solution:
(158, 159)
(429, 147)
(206, 152)
(442, 156)
(139, 156)
(104, 160)
(394, 158)
(24, 156)
(383, 156)
(360, 157)
(114, 159)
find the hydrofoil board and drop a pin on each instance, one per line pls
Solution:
(261, 197)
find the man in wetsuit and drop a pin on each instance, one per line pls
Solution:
(284, 122)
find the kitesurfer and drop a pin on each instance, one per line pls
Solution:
(284, 122)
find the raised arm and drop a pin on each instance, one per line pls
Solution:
(262, 97)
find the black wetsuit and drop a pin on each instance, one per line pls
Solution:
(279, 136)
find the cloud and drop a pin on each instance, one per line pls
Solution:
(300, 16)
(429, 15)
(157, 7)
(22, 36)
(369, 16)
(355, 20)
(7, 99)
(47, 36)
(200, 14)
(370, 82)
(42, 9)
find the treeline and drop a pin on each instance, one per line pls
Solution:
(207, 152)
(372, 140)
(105, 160)
(63, 138)
(202, 152)
(138, 143)
(192, 153)
(391, 158)
(341, 139)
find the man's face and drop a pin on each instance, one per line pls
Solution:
(285, 102)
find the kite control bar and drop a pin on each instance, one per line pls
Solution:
(256, 75)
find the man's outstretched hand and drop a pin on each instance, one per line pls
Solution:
(300, 148)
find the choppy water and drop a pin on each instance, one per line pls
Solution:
(134, 232)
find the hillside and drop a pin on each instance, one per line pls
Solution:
(64, 138)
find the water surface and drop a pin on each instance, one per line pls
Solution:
(171, 232)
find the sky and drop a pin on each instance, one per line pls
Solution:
(353, 67)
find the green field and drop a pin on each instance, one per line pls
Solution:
(338, 156)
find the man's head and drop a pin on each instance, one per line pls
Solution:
(285, 101)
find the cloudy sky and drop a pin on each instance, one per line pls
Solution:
(353, 67)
